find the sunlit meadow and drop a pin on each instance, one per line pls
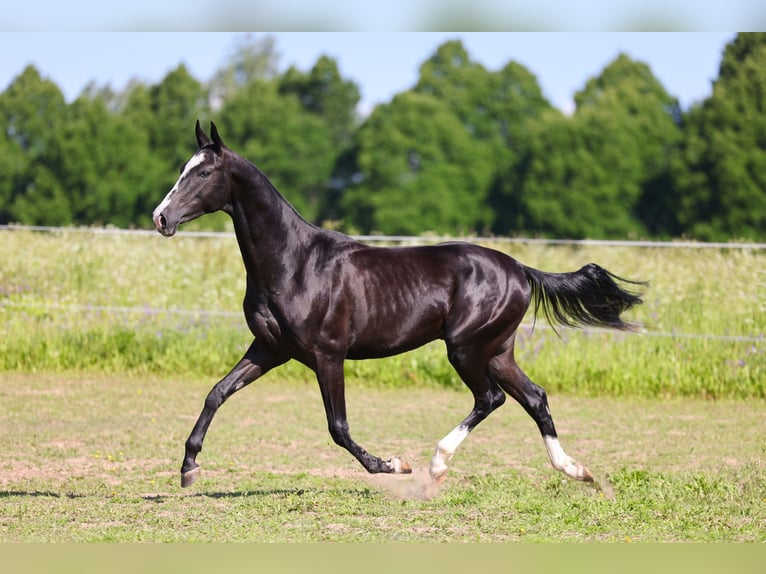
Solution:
(109, 344)
(85, 302)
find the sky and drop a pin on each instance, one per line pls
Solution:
(381, 63)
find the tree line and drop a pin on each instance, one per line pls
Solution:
(465, 150)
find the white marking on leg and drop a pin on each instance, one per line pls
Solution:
(562, 461)
(445, 449)
(399, 466)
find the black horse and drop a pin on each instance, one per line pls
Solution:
(321, 297)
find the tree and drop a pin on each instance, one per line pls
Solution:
(603, 172)
(292, 146)
(576, 178)
(420, 171)
(721, 169)
(32, 110)
(12, 165)
(176, 103)
(252, 58)
(518, 103)
(495, 109)
(652, 121)
(106, 164)
(450, 76)
(737, 52)
(493, 106)
(164, 115)
(324, 92)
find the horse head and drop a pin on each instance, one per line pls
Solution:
(203, 186)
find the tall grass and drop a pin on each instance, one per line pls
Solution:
(77, 302)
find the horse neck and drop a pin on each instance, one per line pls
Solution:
(272, 235)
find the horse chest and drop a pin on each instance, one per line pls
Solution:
(261, 319)
(277, 323)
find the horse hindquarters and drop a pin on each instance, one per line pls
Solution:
(481, 348)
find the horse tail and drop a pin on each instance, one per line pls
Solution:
(590, 296)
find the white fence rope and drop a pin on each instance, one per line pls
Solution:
(413, 239)
(148, 312)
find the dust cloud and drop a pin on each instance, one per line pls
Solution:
(415, 486)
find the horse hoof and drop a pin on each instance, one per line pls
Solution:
(188, 477)
(438, 477)
(399, 466)
(587, 476)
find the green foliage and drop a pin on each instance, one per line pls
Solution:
(115, 179)
(178, 101)
(252, 59)
(420, 170)
(324, 92)
(720, 172)
(466, 150)
(601, 173)
(32, 110)
(496, 111)
(293, 146)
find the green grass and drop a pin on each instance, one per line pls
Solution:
(96, 459)
(103, 372)
(81, 303)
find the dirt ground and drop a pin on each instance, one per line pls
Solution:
(61, 428)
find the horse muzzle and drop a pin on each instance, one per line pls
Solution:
(163, 225)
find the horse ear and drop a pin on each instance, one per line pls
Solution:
(202, 139)
(216, 138)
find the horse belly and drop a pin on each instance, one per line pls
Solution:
(386, 332)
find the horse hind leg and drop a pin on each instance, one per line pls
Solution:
(487, 397)
(533, 398)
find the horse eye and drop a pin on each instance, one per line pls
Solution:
(204, 173)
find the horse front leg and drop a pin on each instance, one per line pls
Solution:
(332, 386)
(256, 361)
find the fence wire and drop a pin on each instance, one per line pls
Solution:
(149, 312)
(414, 239)
(388, 239)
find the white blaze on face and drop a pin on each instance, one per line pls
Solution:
(196, 159)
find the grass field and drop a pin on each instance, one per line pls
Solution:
(97, 459)
(75, 302)
(109, 344)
